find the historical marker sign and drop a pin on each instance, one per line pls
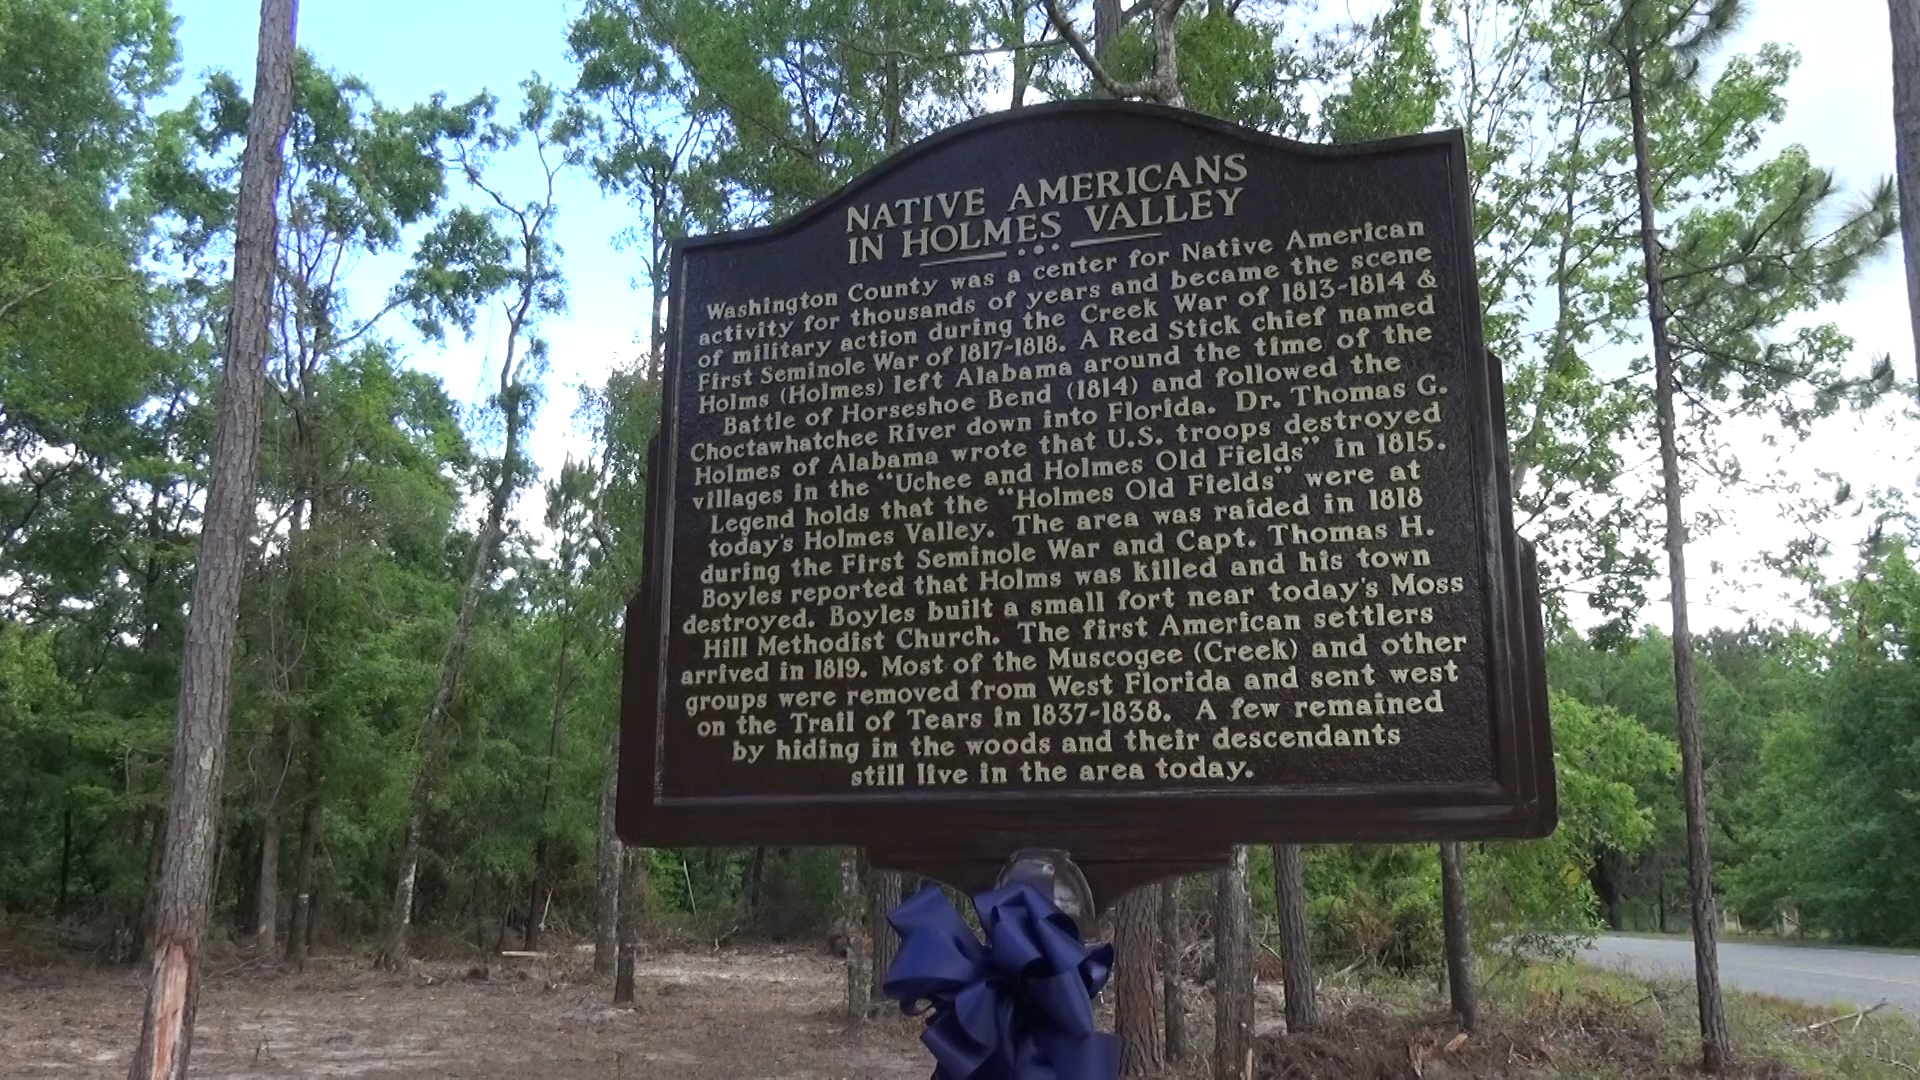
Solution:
(1097, 476)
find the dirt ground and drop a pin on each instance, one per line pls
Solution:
(772, 1013)
(761, 1014)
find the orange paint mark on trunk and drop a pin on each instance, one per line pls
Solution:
(170, 978)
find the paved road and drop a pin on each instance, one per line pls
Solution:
(1850, 977)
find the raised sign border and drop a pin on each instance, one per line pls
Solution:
(1119, 839)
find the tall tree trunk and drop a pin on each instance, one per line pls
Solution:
(147, 924)
(1904, 19)
(633, 904)
(756, 881)
(606, 876)
(1296, 938)
(66, 859)
(280, 746)
(246, 873)
(315, 909)
(1136, 1018)
(399, 942)
(266, 895)
(1173, 997)
(1606, 885)
(266, 898)
(206, 661)
(1166, 54)
(1458, 926)
(1660, 898)
(1022, 74)
(300, 920)
(480, 573)
(536, 900)
(1232, 973)
(852, 908)
(1106, 30)
(886, 897)
(1706, 957)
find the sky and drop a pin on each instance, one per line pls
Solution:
(407, 51)
(1839, 104)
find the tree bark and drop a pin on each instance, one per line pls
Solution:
(1022, 61)
(1136, 1018)
(1904, 20)
(606, 877)
(852, 905)
(1232, 973)
(1606, 886)
(266, 898)
(1106, 30)
(633, 900)
(1166, 55)
(1458, 925)
(1714, 1037)
(1173, 997)
(1296, 938)
(399, 942)
(886, 944)
(206, 661)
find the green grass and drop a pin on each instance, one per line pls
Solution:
(1767, 939)
(1575, 1021)
(1766, 1031)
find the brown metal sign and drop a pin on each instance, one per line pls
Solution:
(1099, 477)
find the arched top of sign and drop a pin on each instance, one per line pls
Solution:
(954, 140)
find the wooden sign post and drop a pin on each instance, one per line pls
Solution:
(1096, 477)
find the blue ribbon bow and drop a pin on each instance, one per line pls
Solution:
(1019, 1006)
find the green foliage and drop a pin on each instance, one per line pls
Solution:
(76, 80)
(1837, 779)
(1377, 906)
(1538, 896)
(793, 99)
(1394, 87)
(1380, 906)
(101, 432)
(1234, 64)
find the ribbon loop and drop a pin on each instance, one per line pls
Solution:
(1018, 1006)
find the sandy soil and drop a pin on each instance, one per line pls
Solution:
(758, 1014)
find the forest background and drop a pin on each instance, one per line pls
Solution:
(463, 384)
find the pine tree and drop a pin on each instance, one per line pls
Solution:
(1904, 25)
(206, 664)
(472, 256)
(1232, 972)
(1716, 295)
(1135, 980)
(1296, 937)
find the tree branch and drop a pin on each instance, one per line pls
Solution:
(958, 54)
(1094, 67)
